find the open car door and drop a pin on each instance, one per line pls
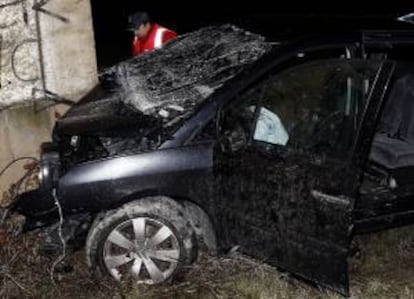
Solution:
(287, 168)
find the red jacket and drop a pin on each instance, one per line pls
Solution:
(155, 38)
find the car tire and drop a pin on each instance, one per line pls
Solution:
(148, 240)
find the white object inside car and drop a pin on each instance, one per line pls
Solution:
(269, 128)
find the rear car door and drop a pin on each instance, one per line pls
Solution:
(286, 168)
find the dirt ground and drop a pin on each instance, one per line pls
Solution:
(382, 267)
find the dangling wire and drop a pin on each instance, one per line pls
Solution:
(61, 257)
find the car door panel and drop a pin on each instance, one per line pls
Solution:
(291, 206)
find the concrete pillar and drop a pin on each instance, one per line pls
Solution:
(19, 56)
(47, 47)
(68, 49)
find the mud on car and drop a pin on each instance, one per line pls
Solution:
(295, 152)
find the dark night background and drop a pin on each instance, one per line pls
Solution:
(113, 42)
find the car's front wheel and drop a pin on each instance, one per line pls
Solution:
(147, 241)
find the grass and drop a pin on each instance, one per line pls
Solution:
(382, 268)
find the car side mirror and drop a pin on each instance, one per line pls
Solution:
(224, 144)
(232, 132)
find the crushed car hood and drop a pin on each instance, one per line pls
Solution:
(164, 86)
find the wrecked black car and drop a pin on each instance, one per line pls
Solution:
(284, 150)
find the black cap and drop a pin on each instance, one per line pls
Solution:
(137, 19)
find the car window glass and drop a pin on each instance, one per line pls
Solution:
(314, 106)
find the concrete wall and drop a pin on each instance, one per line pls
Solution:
(19, 67)
(46, 52)
(68, 49)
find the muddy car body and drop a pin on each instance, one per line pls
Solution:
(289, 159)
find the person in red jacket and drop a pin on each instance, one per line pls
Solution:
(147, 35)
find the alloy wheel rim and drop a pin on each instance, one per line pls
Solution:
(142, 248)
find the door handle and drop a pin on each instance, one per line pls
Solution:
(329, 198)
